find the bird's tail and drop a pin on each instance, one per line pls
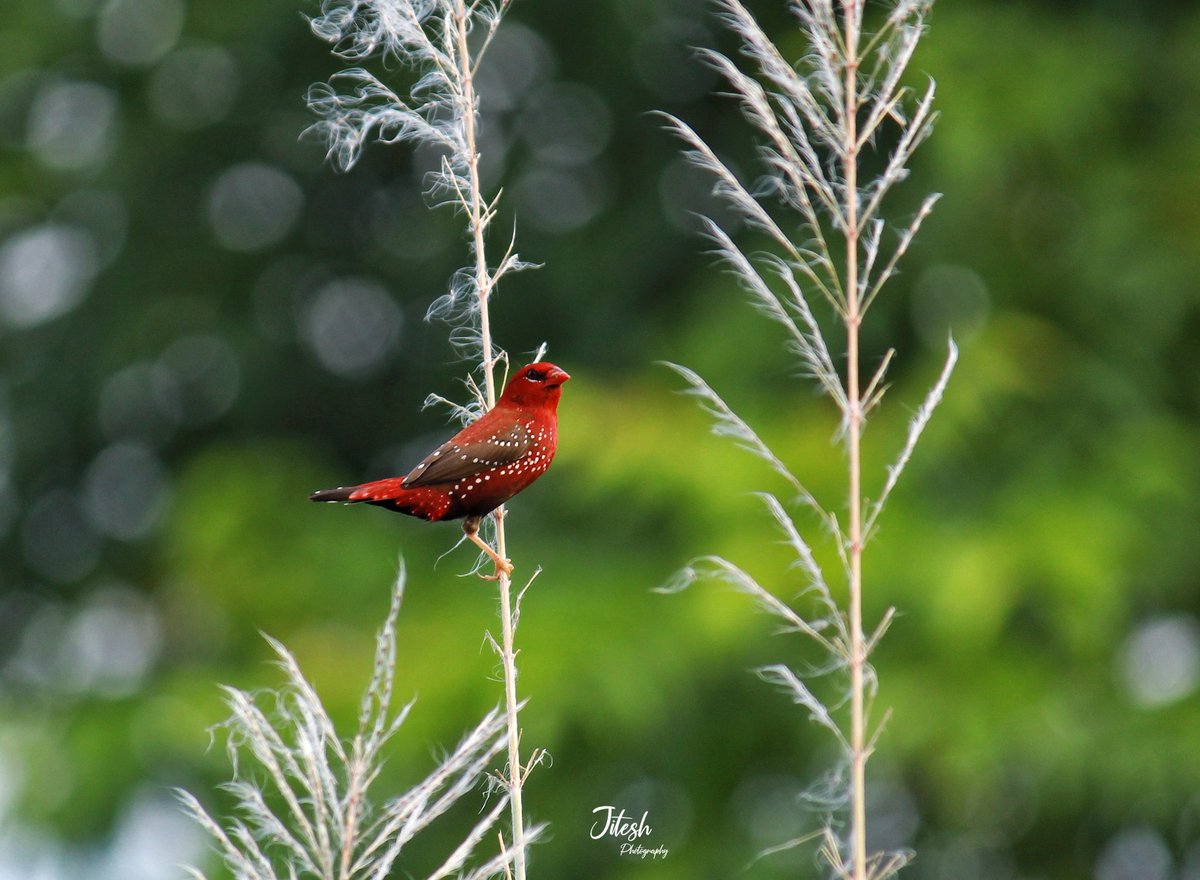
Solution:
(341, 493)
(424, 502)
(380, 490)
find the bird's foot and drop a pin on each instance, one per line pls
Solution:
(502, 564)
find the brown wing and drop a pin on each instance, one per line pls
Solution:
(465, 455)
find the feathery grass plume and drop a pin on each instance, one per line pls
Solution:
(305, 806)
(438, 46)
(827, 241)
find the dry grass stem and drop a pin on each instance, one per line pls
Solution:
(443, 42)
(814, 121)
(312, 813)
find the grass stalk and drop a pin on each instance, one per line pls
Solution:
(477, 211)
(813, 121)
(443, 43)
(851, 17)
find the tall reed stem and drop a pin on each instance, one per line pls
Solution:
(814, 120)
(852, 15)
(443, 42)
(508, 655)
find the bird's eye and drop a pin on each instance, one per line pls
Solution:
(535, 376)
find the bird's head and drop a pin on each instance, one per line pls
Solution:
(535, 386)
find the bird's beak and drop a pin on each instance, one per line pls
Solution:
(556, 377)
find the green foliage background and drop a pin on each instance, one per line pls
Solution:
(1042, 550)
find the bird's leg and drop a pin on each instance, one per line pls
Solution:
(471, 530)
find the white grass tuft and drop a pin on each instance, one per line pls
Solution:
(304, 803)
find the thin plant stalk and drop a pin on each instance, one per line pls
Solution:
(813, 121)
(444, 42)
(852, 12)
(508, 657)
(514, 780)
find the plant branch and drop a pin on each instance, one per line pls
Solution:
(444, 42)
(480, 214)
(813, 121)
(852, 17)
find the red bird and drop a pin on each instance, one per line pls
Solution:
(483, 465)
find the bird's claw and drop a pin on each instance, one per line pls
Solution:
(502, 565)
